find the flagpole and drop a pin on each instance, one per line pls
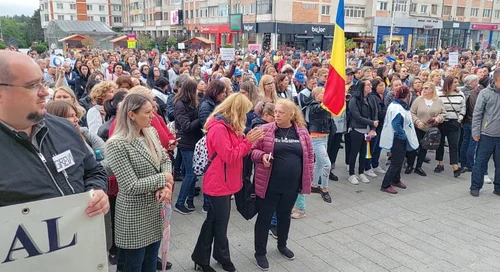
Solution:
(393, 22)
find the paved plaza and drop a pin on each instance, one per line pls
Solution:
(434, 225)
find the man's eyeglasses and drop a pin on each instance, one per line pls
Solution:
(36, 88)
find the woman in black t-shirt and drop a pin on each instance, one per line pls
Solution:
(284, 161)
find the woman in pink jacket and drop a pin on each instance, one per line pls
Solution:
(284, 163)
(223, 178)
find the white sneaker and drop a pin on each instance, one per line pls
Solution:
(363, 178)
(353, 180)
(487, 179)
(379, 170)
(370, 173)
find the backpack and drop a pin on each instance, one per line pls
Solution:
(201, 162)
(432, 139)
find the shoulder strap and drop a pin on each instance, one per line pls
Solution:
(451, 104)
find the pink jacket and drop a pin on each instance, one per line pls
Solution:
(266, 145)
(224, 176)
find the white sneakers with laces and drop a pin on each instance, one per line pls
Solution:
(363, 178)
(379, 170)
(353, 180)
(370, 173)
(487, 180)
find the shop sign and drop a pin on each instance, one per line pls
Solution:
(319, 29)
(428, 27)
(248, 28)
(484, 27)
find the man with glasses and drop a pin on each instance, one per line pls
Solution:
(31, 140)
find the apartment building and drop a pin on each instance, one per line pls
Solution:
(105, 11)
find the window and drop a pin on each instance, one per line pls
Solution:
(460, 11)
(46, 17)
(186, 14)
(117, 19)
(400, 6)
(223, 10)
(413, 7)
(175, 2)
(252, 8)
(497, 14)
(117, 8)
(101, 8)
(46, 6)
(434, 9)
(423, 9)
(308, 6)
(203, 12)
(102, 19)
(89, 7)
(72, 17)
(191, 15)
(381, 5)
(59, 6)
(264, 7)
(90, 18)
(354, 11)
(197, 14)
(446, 10)
(165, 16)
(325, 10)
(486, 13)
(60, 17)
(72, 6)
(474, 12)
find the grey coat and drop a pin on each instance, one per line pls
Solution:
(485, 119)
(138, 220)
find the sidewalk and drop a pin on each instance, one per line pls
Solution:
(434, 225)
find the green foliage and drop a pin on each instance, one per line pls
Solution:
(244, 43)
(349, 44)
(22, 30)
(172, 42)
(144, 42)
(227, 45)
(40, 48)
(381, 48)
(2, 46)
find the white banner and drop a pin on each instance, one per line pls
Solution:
(227, 54)
(53, 235)
(163, 62)
(453, 60)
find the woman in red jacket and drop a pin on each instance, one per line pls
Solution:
(284, 163)
(225, 127)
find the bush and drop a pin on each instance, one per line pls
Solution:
(3, 46)
(40, 48)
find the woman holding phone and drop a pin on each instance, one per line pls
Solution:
(284, 162)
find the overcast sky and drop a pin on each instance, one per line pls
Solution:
(18, 7)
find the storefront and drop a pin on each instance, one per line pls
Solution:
(221, 34)
(250, 32)
(408, 32)
(300, 36)
(401, 36)
(455, 34)
(483, 34)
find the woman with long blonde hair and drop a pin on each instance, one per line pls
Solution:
(286, 149)
(225, 138)
(66, 94)
(267, 88)
(143, 171)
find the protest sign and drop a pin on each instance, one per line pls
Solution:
(56, 61)
(53, 235)
(227, 54)
(163, 62)
(254, 47)
(453, 59)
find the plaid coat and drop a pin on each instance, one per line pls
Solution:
(138, 221)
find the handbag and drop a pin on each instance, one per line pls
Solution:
(245, 199)
(432, 139)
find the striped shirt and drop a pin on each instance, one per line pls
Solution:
(454, 104)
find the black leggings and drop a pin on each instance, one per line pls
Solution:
(282, 203)
(419, 154)
(358, 147)
(334, 146)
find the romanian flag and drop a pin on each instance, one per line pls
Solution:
(334, 98)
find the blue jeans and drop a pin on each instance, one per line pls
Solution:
(141, 259)
(188, 183)
(274, 220)
(486, 147)
(468, 149)
(322, 163)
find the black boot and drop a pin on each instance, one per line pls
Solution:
(204, 268)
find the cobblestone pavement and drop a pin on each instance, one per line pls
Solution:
(434, 225)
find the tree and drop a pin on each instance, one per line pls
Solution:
(13, 32)
(40, 48)
(144, 42)
(3, 46)
(172, 42)
(243, 43)
(34, 31)
(349, 44)
(88, 41)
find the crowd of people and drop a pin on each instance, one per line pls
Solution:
(134, 125)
